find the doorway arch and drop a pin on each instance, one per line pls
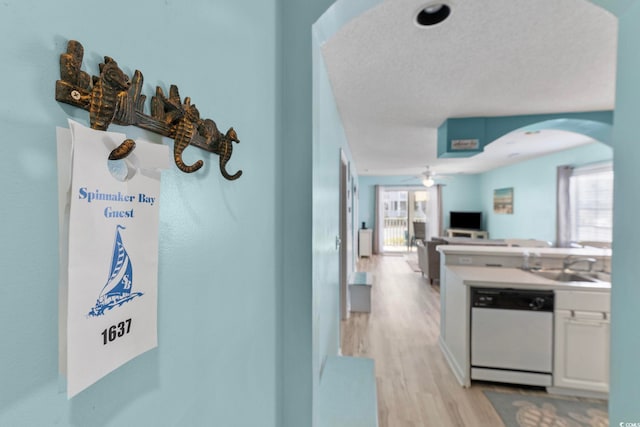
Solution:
(625, 373)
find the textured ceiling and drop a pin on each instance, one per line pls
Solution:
(396, 82)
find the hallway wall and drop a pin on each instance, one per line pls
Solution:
(219, 360)
(625, 293)
(296, 168)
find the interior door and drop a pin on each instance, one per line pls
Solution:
(343, 238)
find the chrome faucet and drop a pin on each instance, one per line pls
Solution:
(531, 261)
(572, 259)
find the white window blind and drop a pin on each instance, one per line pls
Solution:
(591, 203)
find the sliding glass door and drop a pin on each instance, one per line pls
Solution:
(400, 209)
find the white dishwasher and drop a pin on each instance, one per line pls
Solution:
(512, 335)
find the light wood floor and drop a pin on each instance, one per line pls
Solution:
(415, 386)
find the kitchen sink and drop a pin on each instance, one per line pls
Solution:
(563, 276)
(598, 276)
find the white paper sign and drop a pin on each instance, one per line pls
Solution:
(111, 292)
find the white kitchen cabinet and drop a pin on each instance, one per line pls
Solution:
(454, 325)
(582, 330)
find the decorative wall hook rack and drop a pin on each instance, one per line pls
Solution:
(112, 97)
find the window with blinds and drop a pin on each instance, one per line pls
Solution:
(591, 203)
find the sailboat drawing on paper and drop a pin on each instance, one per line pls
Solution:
(118, 289)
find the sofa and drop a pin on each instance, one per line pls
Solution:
(429, 259)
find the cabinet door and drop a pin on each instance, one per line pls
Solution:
(582, 350)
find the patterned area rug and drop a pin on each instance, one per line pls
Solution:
(518, 410)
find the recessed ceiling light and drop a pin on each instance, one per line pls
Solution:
(532, 132)
(433, 14)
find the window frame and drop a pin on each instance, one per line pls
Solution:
(568, 180)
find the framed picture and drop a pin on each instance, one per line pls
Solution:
(503, 200)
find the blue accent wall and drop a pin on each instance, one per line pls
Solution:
(329, 147)
(625, 295)
(595, 124)
(469, 128)
(294, 167)
(534, 185)
(461, 193)
(222, 283)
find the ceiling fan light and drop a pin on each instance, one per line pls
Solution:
(427, 181)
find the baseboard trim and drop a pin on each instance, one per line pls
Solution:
(561, 391)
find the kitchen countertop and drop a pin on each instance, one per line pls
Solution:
(517, 251)
(517, 278)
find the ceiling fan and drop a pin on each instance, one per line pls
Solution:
(428, 178)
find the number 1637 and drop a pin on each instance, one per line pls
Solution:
(116, 331)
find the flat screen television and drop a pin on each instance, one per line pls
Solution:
(465, 220)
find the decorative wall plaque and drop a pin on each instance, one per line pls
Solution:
(465, 144)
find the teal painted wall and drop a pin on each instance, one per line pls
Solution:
(595, 124)
(295, 169)
(467, 128)
(534, 184)
(461, 193)
(328, 141)
(329, 147)
(327, 134)
(625, 316)
(219, 360)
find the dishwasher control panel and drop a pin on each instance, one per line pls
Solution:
(512, 299)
